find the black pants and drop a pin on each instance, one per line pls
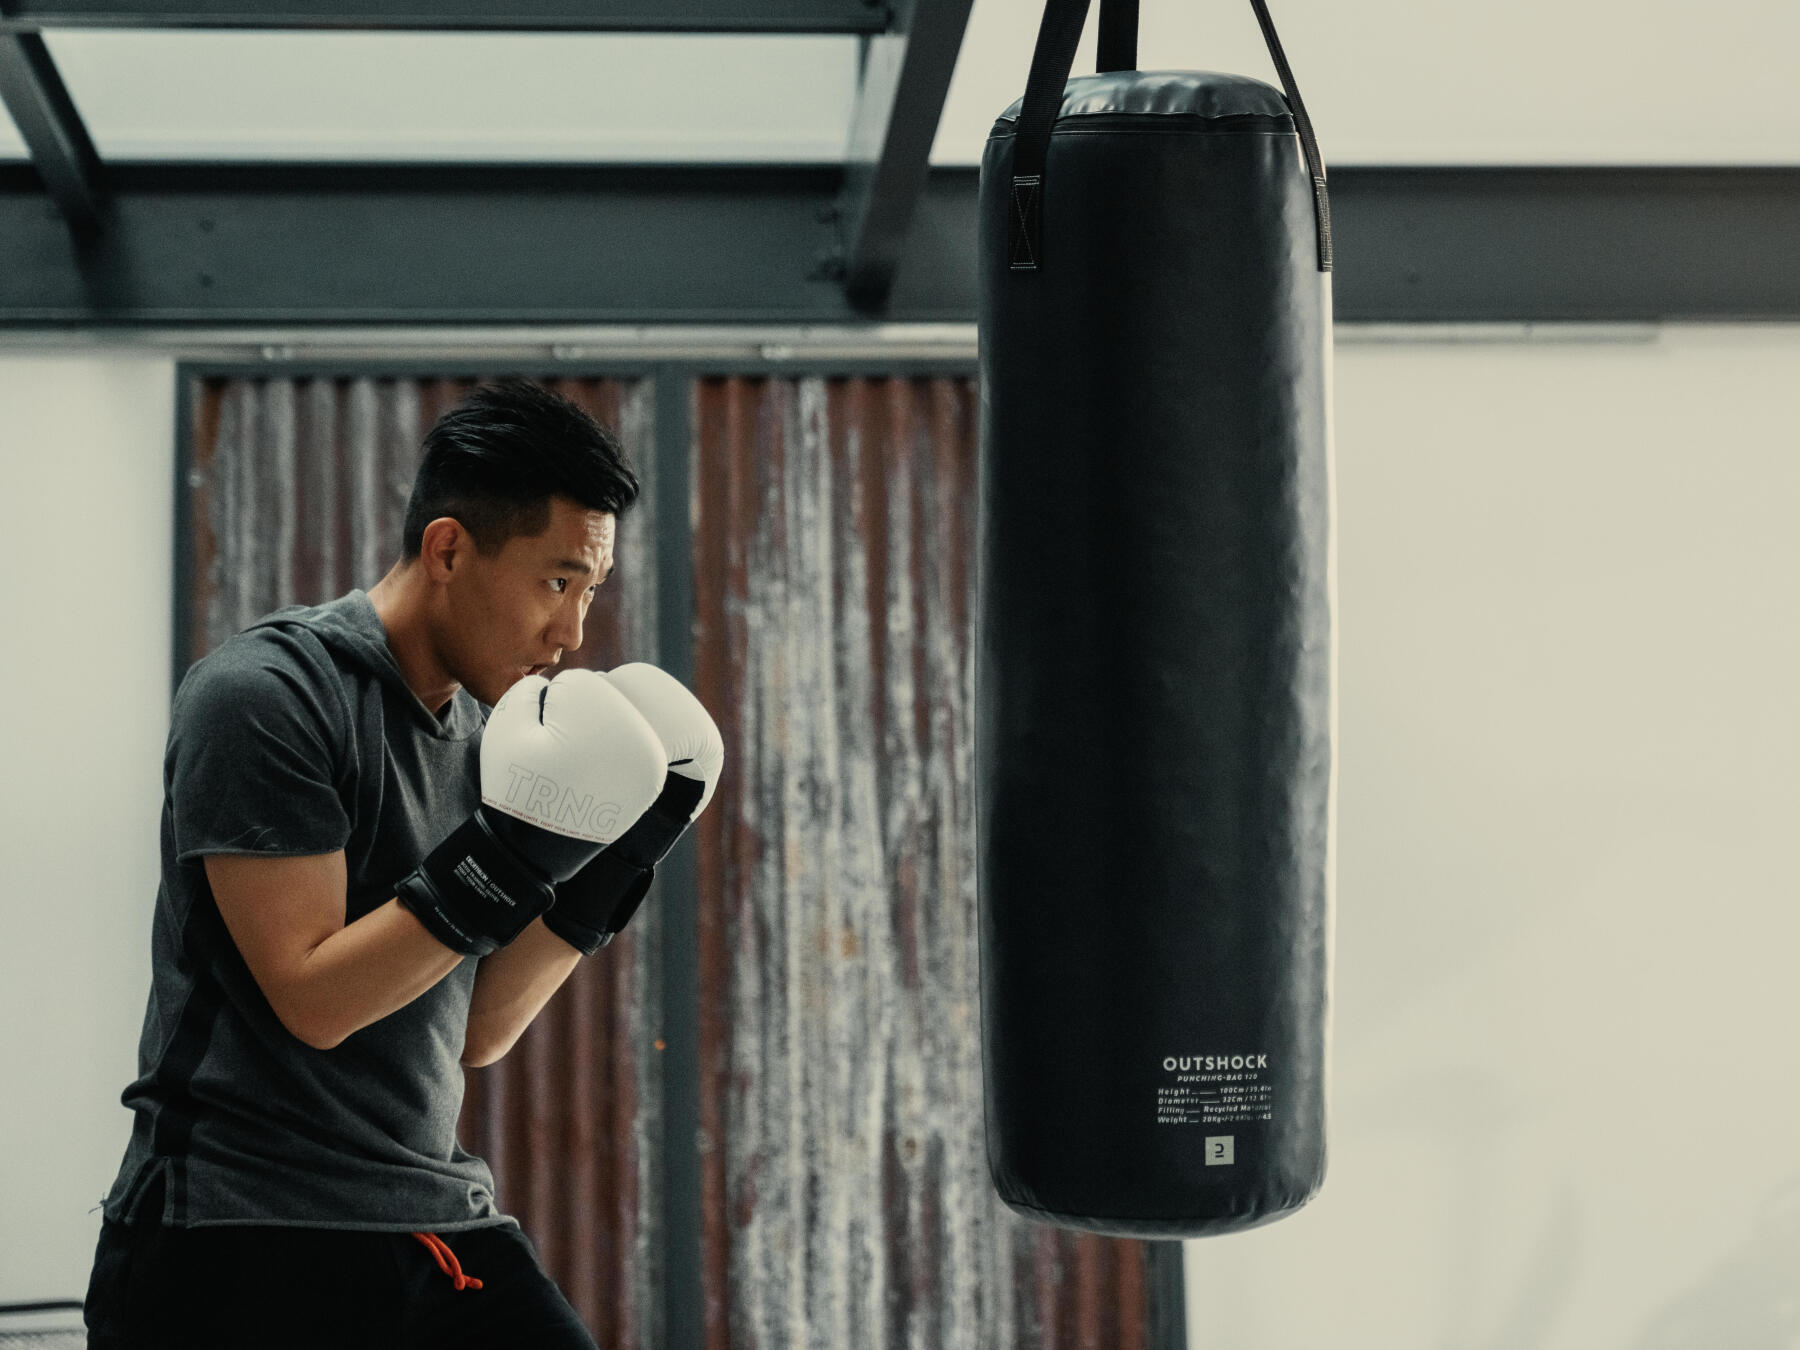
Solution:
(265, 1288)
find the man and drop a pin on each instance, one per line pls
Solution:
(371, 881)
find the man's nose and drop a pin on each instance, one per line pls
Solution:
(565, 631)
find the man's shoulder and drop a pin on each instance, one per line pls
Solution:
(249, 656)
(269, 662)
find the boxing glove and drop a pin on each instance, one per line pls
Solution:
(566, 765)
(598, 901)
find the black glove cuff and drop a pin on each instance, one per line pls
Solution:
(598, 901)
(654, 833)
(473, 893)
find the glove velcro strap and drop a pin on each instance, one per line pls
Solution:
(654, 833)
(629, 902)
(594, 904)
(473, 893)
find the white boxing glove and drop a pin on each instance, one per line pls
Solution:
(599, 901)
(566, 766)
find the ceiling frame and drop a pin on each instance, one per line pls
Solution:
(54, 136)
(905, 80)
(908, 55)
(884, 236)
(378, 244)
(523, 16)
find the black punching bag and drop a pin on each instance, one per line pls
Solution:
(1155, 706)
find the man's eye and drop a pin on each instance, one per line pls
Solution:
(560, 583)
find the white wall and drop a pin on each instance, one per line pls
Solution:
(1387, 81)
(86, 533)
(1457, 81)
(1566, 1108)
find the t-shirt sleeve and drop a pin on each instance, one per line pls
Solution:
(253, 755)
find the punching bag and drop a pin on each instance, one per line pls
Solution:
(1156, 650)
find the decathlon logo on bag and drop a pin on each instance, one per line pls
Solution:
(1214, 1063)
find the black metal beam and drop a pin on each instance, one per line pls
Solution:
(678, 1028)
(384, 244)
(52, 130)
(379, 243)
(1566, 244)
(1165, 1278)
(593, 16)
(905, 78)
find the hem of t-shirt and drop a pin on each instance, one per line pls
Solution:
(465, 1226)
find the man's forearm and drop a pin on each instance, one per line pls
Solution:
(367, 970)
(511, 988)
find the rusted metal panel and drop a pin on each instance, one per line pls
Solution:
(298, 490)
(845, 1192)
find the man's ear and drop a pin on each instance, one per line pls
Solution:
(444, 544)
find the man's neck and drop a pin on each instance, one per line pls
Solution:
(400, 599)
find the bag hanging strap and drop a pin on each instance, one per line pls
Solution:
(1051, 60)
(1118, 36)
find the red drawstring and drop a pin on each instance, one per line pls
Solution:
(453, 1267)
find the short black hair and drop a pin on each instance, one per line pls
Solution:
(494, 461)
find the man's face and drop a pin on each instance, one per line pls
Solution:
(516, 613)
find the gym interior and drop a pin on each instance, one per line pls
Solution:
(1498, 859)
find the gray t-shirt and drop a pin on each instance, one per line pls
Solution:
(300, 736)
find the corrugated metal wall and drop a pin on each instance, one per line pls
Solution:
(845, 1199)
(846, 1193)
